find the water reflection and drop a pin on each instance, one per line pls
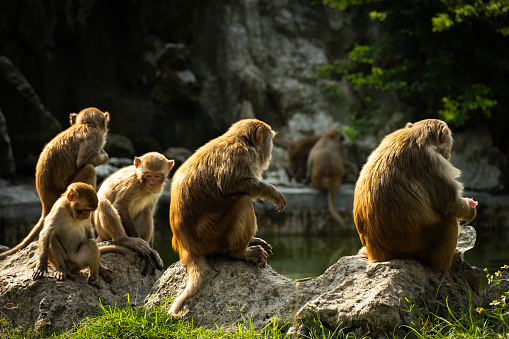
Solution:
(302, 256)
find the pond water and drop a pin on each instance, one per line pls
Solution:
(302, 256)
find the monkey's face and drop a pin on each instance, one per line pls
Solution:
(81, 214)
(154, 181)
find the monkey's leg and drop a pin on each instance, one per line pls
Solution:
(58, 257)
(88, 255)
(442, 239)
(85, 174)
(242, 231)
(109, 226)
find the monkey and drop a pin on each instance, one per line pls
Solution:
(298, 151)
(325, 169)
(69, 157)
(127, 199)
(408, 201)
(211, 205)
(67, 240)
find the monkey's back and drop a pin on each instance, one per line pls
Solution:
(198, 208)
(399, 192)
(327, 170)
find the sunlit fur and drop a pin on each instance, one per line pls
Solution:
(69, 157)
(127, 199)
(407, 200)
(211, 208)
(67, 241)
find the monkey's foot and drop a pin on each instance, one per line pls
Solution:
(94, 281)
(63, 273)
(259, 241)
(105, 273)
(257, 254)
(157, 260)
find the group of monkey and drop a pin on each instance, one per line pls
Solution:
(407, 201)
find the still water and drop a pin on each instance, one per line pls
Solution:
(302, 256)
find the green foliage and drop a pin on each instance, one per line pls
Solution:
(445, 58)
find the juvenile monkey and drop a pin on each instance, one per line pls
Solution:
(127, 199)
(212, 194)
(407, 200)
(69, 157)
(325, 167)
(67, 239)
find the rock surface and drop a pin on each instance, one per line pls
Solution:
(49, 305)
(367, 298)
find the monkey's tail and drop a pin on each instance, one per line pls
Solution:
(115, 248)
(331, 197)
(28, 239)
(196, 270)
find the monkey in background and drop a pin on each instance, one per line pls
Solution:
(212, 194)
(67, 239)
(298, 152)
(127, 199)
(69, 157)
(325, 168)
(407, 201)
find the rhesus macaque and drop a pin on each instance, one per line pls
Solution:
(212, 194)
(407, 200)
(127, 199)
(298, 152)
(325, 167)
(70, 157)
(67, 239)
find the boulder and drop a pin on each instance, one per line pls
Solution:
(49, 305)
(367, 298)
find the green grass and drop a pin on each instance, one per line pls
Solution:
(438, 320)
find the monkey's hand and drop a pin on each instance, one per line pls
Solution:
(39, 270)
(62, 273)
(280, 202)
(472, 202)
(265, 245)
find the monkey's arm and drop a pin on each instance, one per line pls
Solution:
(128, 222)
(256, 189)
(88, 156)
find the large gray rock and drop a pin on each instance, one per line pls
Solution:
(48, 305)
(365, 297)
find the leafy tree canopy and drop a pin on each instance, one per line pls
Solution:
(448, 58)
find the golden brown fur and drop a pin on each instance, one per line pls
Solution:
(69, 157)
(211, 207)
(127, 199)
(298, 152)
(325, 167)
(407, 200)
(67, 240)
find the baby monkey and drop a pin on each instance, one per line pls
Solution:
(67, 240)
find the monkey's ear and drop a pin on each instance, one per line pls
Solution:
(137, 162)
(72, 118)
(442, 135)
(258, 136)
(72, 194)
(170, 164)
(409, 124)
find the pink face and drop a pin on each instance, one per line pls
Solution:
(154, 181)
